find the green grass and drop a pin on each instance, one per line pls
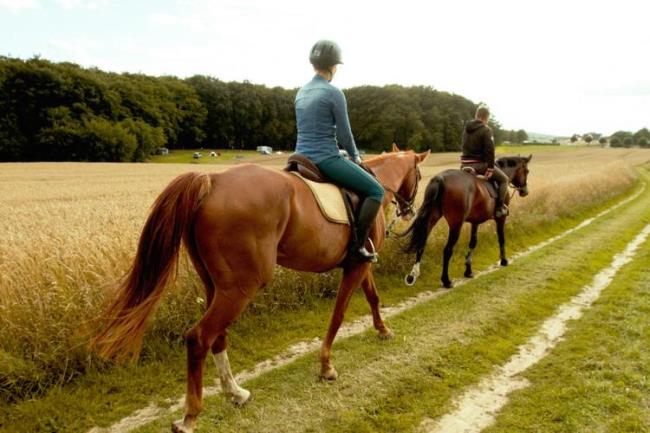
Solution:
(228, 156)
(440, 348)
(598, 378)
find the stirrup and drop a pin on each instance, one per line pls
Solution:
(361, 254)
(502, 211)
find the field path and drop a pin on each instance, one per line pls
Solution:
(478, 407)
(537, 262)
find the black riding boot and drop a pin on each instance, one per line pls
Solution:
(501, 209)
(366, 219)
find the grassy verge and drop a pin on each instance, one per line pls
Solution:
(441, 346)
(598, 378)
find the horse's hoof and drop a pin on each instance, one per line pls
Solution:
(243, 397)
(179, 427)
(329, 374)
(469, 274)
(385, 334)
(504, 262)
(409, 280)
(447, 284)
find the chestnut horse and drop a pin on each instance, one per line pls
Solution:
(236, 226)
(460, 197)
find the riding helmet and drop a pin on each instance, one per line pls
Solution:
(325, 54)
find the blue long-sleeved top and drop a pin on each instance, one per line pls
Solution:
(321, 118)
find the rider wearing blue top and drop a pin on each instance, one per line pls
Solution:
(323, 125)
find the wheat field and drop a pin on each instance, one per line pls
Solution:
(68, 232)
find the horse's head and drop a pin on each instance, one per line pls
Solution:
(516, 168)
(399, 174)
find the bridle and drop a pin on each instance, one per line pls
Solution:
(516, 188)
(405, 206)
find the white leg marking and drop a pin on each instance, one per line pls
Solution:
(413, 276)
(238, 394)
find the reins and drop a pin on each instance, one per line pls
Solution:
(398, 200)
(405, 206)
(514, 190)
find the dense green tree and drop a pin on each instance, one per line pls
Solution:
(602, 141)
(641, 134)
(588, 138)
(418, 117)
(521, 136)
(60, 111)
(621, 139)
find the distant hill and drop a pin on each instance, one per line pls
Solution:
(541, 138)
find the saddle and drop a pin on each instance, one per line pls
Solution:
(490, 185)
(307, 169)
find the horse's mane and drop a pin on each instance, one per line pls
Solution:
(510, 158)
(383, 156)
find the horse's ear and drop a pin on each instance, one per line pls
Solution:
(529, 158)
(423, 156)
(395, 148)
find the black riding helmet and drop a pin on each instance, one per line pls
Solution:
(325, 54)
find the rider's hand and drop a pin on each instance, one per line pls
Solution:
(488, 173)
(357, 159)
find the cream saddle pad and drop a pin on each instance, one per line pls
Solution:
(329, 199)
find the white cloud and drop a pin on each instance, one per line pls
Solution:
(78, 51)
(16, 6)
(171, 21)
(85, 4)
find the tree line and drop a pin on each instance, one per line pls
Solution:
(640, 138)
(60, 111)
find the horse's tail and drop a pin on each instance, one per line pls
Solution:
(170, 219)
(420, 228)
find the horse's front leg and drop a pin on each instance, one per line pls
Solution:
(352, 278)
(501, 224)
(370, 290)
(454, 233)
(472, 244)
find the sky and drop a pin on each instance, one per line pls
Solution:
(555, 67)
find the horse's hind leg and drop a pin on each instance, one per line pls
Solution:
(468, 258)
(415, 270)
(370, 290)
(199, 340)
(454, 232)
(203, 272)
(237, 394)
(352, 278)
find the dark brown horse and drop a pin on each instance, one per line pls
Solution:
(460, 197)
(236, 226)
